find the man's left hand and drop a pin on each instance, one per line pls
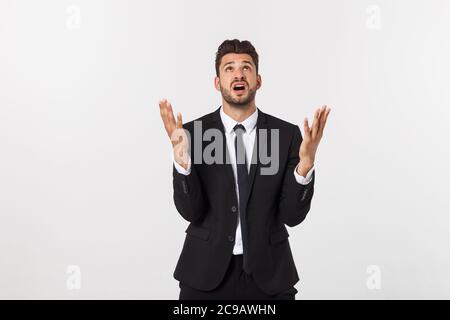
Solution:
(311, 140)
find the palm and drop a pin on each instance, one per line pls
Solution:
(313, 135)
(174, 129)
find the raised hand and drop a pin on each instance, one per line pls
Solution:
(311, 139)
(176, 133)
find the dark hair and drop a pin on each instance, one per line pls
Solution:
(236, 46)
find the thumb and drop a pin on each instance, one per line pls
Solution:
(179, 121)
(306, 128)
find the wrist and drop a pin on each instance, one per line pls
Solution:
(184, 161)
(304, 166)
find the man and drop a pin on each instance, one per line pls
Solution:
(236, 245)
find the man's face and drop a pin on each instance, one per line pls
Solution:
(237, 81)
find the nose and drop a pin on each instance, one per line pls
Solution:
(239, 75)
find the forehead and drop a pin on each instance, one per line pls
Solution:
(236, 57)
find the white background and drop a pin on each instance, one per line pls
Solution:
(85, 164)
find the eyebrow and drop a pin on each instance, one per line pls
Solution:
(232, 62)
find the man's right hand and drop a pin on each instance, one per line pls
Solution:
(177, 135)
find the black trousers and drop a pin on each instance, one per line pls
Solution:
(236, 285)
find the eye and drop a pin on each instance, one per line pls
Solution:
(247, 67)
(228, 68)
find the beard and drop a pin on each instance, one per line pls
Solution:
(238, 101)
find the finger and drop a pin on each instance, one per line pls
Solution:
(167, 116)
(170, 116)
(315, 125)
(324, 121)
(162, 113)
(321, 113)
(162, 108)
(306, 128)
(321, 117)
(167, 113)
(179, 121)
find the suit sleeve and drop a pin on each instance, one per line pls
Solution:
(188, 194)
(295, 198)
(303, 180)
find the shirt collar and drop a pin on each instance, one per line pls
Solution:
(229, 123)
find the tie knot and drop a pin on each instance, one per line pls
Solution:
(239, 127)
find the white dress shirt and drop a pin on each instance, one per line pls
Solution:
(249, 139)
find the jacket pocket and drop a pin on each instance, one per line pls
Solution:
(198, 231)
(278, 236)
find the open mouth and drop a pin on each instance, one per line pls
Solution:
(239, 87)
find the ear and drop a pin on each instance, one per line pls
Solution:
(217, 83)
(258, 81)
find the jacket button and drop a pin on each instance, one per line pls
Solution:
(233, 208)
(230, 238)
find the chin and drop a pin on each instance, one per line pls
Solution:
(241, 103)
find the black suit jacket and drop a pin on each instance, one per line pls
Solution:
(207, 199)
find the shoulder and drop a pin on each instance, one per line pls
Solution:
(207, 118)
(284, 126)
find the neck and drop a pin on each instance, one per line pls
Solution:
(238, 113)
